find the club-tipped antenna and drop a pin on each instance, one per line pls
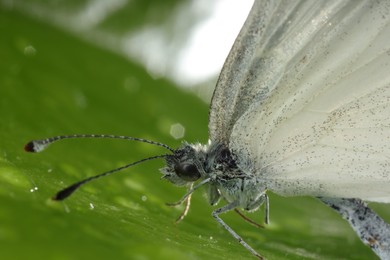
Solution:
(63, 194)
(37, 146)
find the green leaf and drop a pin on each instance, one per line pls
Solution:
(52, 83)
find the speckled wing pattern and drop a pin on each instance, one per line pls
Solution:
(304, 98)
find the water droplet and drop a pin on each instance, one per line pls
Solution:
(177, 131)
(29, 51)
(34, 189)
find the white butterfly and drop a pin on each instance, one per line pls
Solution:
(302, 107)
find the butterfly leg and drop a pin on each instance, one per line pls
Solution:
(186, 208)
(253, 206)
(250, 221)
(370, 228)
(227, 208)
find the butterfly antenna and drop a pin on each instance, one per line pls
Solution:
(37, 146)
(63, 194)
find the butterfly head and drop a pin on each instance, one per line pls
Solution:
(185, 165)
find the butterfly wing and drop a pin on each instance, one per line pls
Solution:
(260, 55)
(304, 98)
(231, 97)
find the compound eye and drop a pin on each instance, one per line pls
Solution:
(187, 172)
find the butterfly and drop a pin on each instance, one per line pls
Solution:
(301, 108)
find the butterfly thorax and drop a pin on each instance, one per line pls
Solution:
(220, 166)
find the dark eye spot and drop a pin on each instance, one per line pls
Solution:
(225, 154)
(187, 172)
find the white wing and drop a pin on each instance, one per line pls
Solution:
(231, 96)
(260, 53)
(315, 119)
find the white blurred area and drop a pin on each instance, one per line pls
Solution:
(202, 55)
(189, 48)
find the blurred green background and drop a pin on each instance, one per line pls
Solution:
(52, 82)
